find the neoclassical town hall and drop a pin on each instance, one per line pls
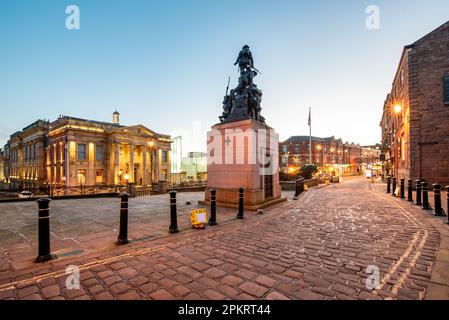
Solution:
(72, 152)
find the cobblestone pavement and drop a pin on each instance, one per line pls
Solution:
(316, 248)
(83, 226)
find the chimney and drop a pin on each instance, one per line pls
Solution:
(116, 117)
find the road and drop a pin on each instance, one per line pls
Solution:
(326, 245)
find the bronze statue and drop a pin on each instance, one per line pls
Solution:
(244, 101)
(245, 59)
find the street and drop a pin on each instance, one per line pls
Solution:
(323, 246)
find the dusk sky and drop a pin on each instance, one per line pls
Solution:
(165, 64)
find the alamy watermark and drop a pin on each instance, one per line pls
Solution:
(238, 147)
(373, 280)
(373, 20)
(73, 21)
(72, 282)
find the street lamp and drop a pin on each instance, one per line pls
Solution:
(319, 148)
(120, 177)
(127, 177)
(397, 108)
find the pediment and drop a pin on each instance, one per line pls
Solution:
(140, 130)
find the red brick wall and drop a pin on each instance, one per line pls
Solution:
(429, 117)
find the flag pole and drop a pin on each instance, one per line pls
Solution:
(310, 135)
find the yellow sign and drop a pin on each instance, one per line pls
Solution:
(198, 218)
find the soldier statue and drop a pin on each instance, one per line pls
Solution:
(245, 59)
(244, 101)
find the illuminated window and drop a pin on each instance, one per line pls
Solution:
(82, 176)
(82, 152)
(99, 152)
(164, 157)
(99, 178)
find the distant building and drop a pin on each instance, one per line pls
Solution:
(195, 166)
(371, 157)
(25, 156)
(415, 131)
(176, 159)
(72, 151)
(371, 153)
(330, 155)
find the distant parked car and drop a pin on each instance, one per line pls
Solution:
(25, 195)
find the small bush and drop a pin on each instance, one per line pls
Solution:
(308, 170)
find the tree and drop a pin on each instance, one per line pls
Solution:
(308, 170)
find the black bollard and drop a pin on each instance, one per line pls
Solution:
(44, 253)
(410, 190)
(394, 187)
(213, 207)
(123, 231)
(388, 184)
(439, 212)
(301, 186)
(296, 188)
(402, 188)
(173, 213)
(240, 214)
(418, 193)
(425, 196)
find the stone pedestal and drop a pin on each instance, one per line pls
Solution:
(243, 154)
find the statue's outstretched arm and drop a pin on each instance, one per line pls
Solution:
(238, 58)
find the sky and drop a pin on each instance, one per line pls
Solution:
(165, 64)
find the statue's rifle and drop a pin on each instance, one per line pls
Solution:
(227, 88)
(257, 70)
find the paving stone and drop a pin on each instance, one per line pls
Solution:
(51, 291)
(130, 295)
(214, 295)
(148, 287)
(266, 281)
(232, 280)
(277, 296)
(26, 291)
(162, 294)
(253, 289)
(181, 291)
(228, 291)
(119, 287)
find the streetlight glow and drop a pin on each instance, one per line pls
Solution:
(397, 108)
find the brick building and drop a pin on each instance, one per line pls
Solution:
(329, 154)
(415, 130)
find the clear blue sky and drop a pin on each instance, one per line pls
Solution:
(165, 64)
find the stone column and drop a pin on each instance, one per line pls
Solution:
(158, 165)
(67, 163)
(145, 165)
(131, 163)
(116, 167)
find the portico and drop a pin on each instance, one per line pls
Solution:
(95, 153)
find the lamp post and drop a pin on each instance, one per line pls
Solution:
(80, 179)
(120, 172)
(127, 177)
(320, 148)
